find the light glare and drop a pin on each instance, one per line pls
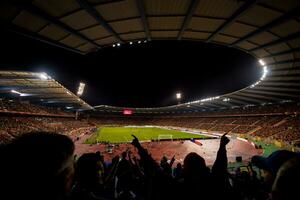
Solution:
(15, 92)
(43, 76)
(262, 62)
(80, 89)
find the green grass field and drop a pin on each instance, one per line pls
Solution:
(123, 134)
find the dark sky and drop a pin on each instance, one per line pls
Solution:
(139, 75)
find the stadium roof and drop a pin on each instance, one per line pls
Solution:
(38, 88)
(267, 29)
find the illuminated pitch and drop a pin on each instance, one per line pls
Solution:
(123, 134)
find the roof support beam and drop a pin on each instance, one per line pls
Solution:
(43, 15)
(290, 70)
(98, 17)
(274, 93)
(212, 104)
(263, 97)
(188, 17)
(282, 53)
(24, 88)
(286, 79)
(284, 62)
(244, 8)
(245, 99)
(43, 97)
(277, 89)
(141, 7)
(281, 83)
(251, 100)
(222, 103)
(294, 74)
(281, 40)
(283, 18)
(35, 36)
(281, 98)
(239, 102)
(201, 106)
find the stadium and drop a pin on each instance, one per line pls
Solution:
(88, 125)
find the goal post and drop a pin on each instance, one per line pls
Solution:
(165, 137)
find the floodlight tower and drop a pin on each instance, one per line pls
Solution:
(178, 97)
(79, 94)
(80, 89)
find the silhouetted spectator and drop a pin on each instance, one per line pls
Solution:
(177, 173)
(37, 166)
(286, 185)
(271, 164)
(89, 183)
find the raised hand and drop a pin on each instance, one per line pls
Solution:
(224, 140)
(135, 142)
(173, 158)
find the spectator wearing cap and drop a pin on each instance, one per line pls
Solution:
(286, 184)
(271, 164)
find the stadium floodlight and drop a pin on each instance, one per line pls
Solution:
(80, 89)
(16, 92)
(265, 71)
(261, 62)
(114, 45)
(118, 44)
(210, 99)
(43, 76)
(130, 43)
(226, 99)
(139, 42)
(20, 93)
(178, 95)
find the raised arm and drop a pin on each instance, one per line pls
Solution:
(220, 165)
(149, 163)
(172, 161)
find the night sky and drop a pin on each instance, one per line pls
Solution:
(139, 75)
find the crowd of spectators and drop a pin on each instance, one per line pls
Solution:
(50, 173)
(32, 168)
(243, 129)
(284, 128)
(291, 130)
(11, 127)
(279, 122)
(25, 107)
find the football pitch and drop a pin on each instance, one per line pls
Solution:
(123, 134)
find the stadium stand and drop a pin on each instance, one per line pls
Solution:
(130, 177)
(40, 165)
(14, 106)
(280, 122)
